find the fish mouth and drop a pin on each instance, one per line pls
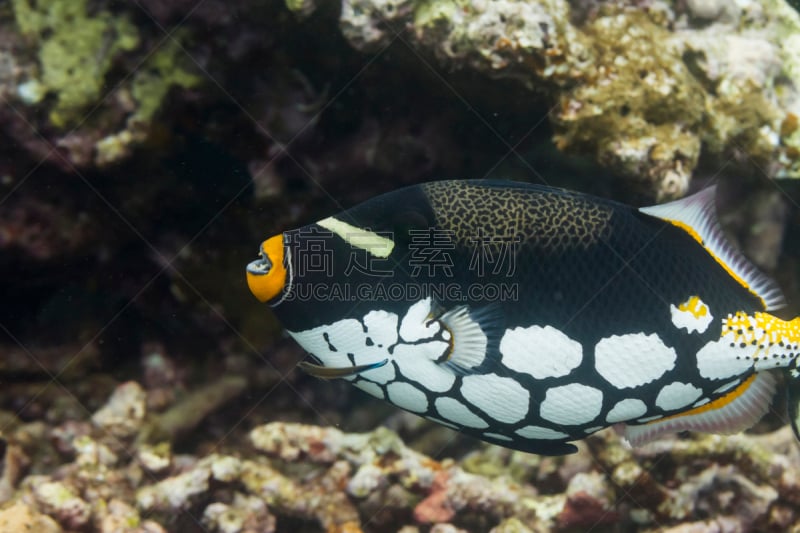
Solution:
(260, 266)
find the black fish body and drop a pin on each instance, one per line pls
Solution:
(529, 316)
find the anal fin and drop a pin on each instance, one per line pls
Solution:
(737, 410)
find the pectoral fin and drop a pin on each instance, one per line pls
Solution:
(472, 331)
(324, 372)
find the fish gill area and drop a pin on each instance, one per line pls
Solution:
(147, 147)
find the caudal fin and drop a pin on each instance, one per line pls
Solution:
(793, 398)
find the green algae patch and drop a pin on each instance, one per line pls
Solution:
(76, 51)
(163, 70)
(166, 68)
(433, 12)
(640, 109)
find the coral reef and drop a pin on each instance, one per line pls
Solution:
(329, 480)
(645, 88)
(78, 50)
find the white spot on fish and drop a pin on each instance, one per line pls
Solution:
(728, 386)
(693, 314)
(542, 352)
(452, 409)
(540, 433)
(382, 374)
(332, 342)
(373, 243)
(416, 325)
(374, 343)
(650, 418)
(502, 398)
(442, 422)
(381, 328)
(498, 436)
(633, 359)
(572, 404)
(407, 396)
(627, 409)
(677, 395)
(371, 388)
(718, 360)
(416, 362)
(701, 402)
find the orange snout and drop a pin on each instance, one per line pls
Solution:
(266, 276)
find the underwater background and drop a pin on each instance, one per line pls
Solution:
(147, 147)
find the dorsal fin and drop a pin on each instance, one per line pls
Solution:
(696, 214)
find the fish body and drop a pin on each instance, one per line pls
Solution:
(529, 316)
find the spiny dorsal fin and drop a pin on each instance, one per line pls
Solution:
(697, 216)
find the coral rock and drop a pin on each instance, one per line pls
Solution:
(247, 514)
(123, 414)
(639, 88)
(21, 517)
(57, 499)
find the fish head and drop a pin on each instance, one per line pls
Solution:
(318, 273)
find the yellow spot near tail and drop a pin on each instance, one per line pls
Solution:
(693, 314)
(268, 285)
(695, 306)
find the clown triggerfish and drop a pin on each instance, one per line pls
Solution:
(529, 316)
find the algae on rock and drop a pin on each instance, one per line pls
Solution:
(639, 109)
(645, 88)
(80, 48)
(161, 71)
(150, 85)
(76, 51)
